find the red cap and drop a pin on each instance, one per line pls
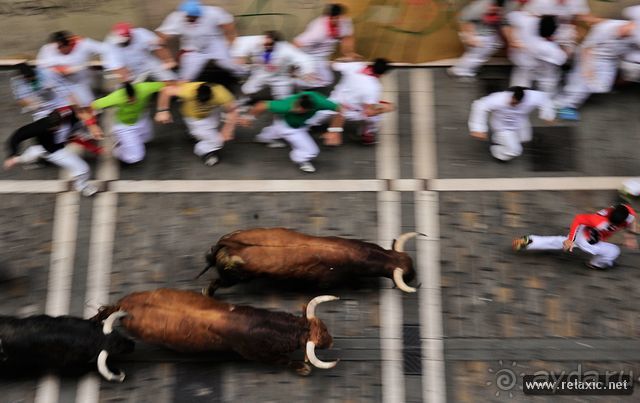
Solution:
(122, 31)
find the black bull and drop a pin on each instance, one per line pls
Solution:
(285, 254)
(64, 344)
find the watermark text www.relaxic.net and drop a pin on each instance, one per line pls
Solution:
(578, 384)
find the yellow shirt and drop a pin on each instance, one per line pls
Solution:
(191, 108)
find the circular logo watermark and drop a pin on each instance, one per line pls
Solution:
(504, 379)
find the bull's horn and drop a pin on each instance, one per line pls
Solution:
(107, 328)
(397, 278)
(398, 245)
(311, 307)
(104, 369)
(315, 361)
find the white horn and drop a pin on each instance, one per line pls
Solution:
(397, 278)
(402, 239)
(104, 369)
(315, 361)
(311, 307)
(107, 328)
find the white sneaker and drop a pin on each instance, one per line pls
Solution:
(276, 144)
(211, 159)
(463, 78)
(307, 167)
(89, 191)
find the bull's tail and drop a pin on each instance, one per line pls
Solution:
(207, 267)
(210, 257)
(104, 312)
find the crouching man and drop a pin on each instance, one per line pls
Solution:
(291, 124)
(358, 92)
(509, 119)
(201, 107)
(51, 134)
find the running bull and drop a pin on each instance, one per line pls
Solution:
(66, 344)
(285, 254)
(190, 322)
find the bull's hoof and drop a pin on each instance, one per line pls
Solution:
(304, 370)
(206, 291)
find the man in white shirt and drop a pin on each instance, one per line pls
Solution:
(509, 122)
(481, 25)
(358, 92)
(533, 51)
(596, 64)
(630, 64)
(66, 59)
(568, 12)
(205, 35)
(272, 60)
(35, 93)
(136, 54)
(320, 39)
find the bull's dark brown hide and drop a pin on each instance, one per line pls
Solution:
(287, 254)
(189, 322)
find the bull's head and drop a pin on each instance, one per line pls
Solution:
(318, 334)
(404, 272)
(115, 343)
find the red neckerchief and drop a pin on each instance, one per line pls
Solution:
(65, 111)
(369, 71)
(333, 28)
(492, 19)
(73, 41)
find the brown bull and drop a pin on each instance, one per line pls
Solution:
(190, 322)
(282, 253)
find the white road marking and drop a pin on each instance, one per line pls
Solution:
(428, 249)
(103, 229)
(36, 186)
(423, 124)
(431, 329)
(389, 216)
(527, 184)
(333, 185)
(65, 231)
(251, 186)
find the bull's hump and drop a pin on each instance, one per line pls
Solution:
(266, 237)
(287, 238)
(171, 299)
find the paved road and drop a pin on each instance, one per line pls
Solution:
(481, 308)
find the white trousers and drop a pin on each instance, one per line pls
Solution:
(303, 147)
(206, 133)
(630, 70)
(281, 85)
(130, 140)
(192, 63)
(632, 186)
(528, 70)
(604, 253)
(476, 56)
(152, 69)
(566, 36)
(81, 91)
(323, 75)
(372, 122)
(507, 144)
(77, 167)
(578, 89)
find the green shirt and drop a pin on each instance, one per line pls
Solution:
(129, 113)
(296, 120)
